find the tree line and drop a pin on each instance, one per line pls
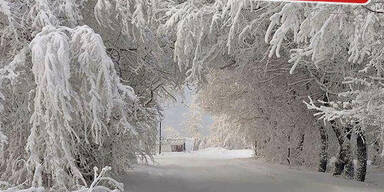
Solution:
(82, 82)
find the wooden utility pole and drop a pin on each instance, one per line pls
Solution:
(160, 139)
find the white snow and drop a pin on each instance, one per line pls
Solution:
(221, 170)
(209, 153)
(189, 142)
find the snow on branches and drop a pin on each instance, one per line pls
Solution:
(80, 108)
(335, 42)
(105, 90)
(52, 107)
(90, 78)
(55, 58)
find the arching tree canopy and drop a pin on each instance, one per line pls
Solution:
(81, 81)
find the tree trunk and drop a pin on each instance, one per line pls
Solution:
(344, 157)
(344, 161)
(300, 147)
(376, 153)
(323, 149)
(361, 169)
(349, 169)
(289, 150)
(299, 150)
(255, 148)
(339, 164)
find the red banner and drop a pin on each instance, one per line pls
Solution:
(330, 1)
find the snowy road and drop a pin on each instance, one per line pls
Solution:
(223, 172)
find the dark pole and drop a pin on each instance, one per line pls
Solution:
(160, 139)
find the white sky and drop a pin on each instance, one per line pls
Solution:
(174, 113)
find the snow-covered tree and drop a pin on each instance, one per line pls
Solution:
(193, 119)
(339, 45)
(343, 45)
(79, 79)
(193, 124)
(171, 132)
(223, 133)
(78, 90)
(264, 112)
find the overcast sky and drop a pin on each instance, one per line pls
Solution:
(174, 113)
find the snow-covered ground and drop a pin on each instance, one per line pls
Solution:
(220, 170)
(209, 153)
